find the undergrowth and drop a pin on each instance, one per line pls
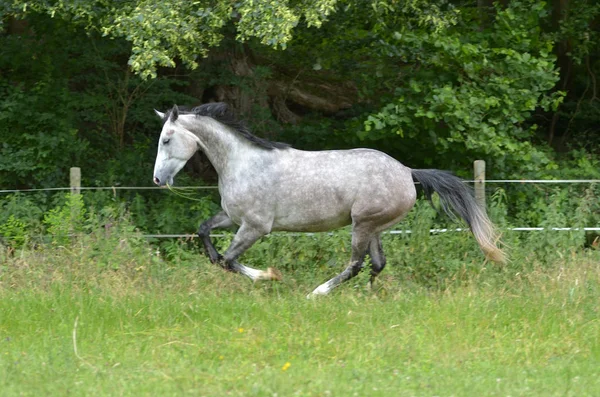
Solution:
(106, 242)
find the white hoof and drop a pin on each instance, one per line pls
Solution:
(256, 275)
(313, 295)
(322, 289)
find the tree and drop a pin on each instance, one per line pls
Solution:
(576, 30)
(160, 32)
(472, 88)
(56, 112)
(418, 78)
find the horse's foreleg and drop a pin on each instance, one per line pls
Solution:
(221, 220)
(244, 238)
(360, 243)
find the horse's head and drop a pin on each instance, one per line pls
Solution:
(175, 147)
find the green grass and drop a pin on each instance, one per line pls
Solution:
(72, 325)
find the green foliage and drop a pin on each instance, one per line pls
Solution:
(66, 220)
(432, 259)
(57, 113)
(554, 208)
(111, 240)
(575, 123)
(422, 257)
(167, 212)
(270, 21)
(39, 141)
(161, 32)
(13, 232)
(26, 208)
(473, 90)
(37, 126)
(104, 237)
(302, 253)
(437, 85)
(576, 26)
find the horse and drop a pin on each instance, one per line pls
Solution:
(269, 186)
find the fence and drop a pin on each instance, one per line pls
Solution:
(479, 182)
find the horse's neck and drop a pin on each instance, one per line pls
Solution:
(224, 148)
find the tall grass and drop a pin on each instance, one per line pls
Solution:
(95, 309)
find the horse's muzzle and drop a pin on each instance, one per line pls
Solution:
(163, 182)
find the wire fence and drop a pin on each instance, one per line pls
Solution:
(499, 181)
(114, 188)
(391, 232)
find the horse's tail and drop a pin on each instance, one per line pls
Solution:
(455, 194)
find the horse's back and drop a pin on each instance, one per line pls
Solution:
(355, 169)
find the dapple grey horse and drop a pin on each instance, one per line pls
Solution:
(269, 186)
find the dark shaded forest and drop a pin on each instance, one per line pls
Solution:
(433, 84)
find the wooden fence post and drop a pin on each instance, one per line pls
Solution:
(75, 180)
(479, 178)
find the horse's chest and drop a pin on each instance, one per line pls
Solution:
(240, 201)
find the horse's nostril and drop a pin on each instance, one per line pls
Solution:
(156, 181)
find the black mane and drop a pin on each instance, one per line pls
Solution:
(221, 112)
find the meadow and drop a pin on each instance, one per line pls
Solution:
(91, 307)
(111, 313)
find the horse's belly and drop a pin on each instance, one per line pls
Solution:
(311, 221)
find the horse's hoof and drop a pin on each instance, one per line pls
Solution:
(322, 289)
(313, 295)
(273, 274)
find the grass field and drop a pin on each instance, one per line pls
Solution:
(70, 325)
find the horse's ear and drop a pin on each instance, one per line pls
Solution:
(174, 113)
(159, 114)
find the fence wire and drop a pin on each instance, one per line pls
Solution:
(114, 188)
(50, 189)
(391, 232)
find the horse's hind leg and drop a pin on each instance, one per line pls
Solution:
(360, 243)
(378, 260)
(221, 220)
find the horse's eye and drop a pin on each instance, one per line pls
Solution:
(166, 141)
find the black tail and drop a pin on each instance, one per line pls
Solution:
(456, 196)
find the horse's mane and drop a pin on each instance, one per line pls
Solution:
(223, 114)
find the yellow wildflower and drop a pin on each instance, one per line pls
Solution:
(286, 366)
